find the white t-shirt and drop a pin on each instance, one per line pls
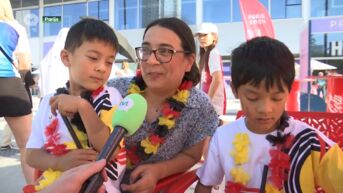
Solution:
(219, 161)
(215, 65)
(44, 117)
(23, 41)
(214, 61)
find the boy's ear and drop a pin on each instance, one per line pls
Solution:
(65, 57)
(234, 90)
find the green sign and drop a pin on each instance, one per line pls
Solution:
(51, 19)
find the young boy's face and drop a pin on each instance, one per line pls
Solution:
(89, 65)
(262, 108)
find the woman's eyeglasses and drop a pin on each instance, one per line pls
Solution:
(163, 55)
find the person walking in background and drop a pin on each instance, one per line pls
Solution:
(124, 70)
(6, 138)
(321, 85)
(7, 134)
(211, 66)
(14, 100)
(211, 69)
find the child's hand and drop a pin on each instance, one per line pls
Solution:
(67, 105)
(144, 179)
(75, 158)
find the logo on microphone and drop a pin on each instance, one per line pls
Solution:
(125, 104)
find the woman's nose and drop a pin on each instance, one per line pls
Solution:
(152, 59)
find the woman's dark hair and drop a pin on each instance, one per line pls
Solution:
(182, 30)
(204, 57)
(89, 29)
(262, 58)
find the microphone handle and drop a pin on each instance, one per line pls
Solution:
(95, 181)
(264, 179)
(112, 143)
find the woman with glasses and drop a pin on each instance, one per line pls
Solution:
(170, 140)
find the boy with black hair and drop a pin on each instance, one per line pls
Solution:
(89, 53)
(266, 150)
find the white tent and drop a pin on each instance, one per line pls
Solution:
(316, 65)
(52, 72)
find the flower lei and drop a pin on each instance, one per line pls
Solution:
(280, 162)
(240, 154)
(54, 147)
(166, 122)
(279, 165)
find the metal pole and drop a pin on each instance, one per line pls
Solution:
(309, 67)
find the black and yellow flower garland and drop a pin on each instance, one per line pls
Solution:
(166, 122)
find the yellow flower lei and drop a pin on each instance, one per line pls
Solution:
(166, 121)
(240, 154)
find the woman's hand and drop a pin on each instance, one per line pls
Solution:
(143, 179)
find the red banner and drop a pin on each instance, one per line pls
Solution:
(256, 19)
(293, 103)
(335, 94)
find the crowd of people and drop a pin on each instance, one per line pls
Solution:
(263, 151)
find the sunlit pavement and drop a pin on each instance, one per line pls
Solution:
(11, 178)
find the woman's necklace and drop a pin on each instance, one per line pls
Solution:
(170, 111)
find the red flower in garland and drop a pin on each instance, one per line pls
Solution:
(186, 85)
(138, 73)
(279, 165)
(97, 91)
(51, 128)
(53, 137)
(156, 139)
(170, 112)
(289, 142)
(233, 187)
(131, 154)
(167, 111)
(29, 189)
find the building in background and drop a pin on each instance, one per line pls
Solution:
(130, 17)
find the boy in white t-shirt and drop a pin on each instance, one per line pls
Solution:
(267, 151)
(86, 102)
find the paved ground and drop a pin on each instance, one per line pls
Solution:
(11, 178)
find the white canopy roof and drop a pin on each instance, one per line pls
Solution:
(316, 65)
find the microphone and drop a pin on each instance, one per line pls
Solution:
(126, 120)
